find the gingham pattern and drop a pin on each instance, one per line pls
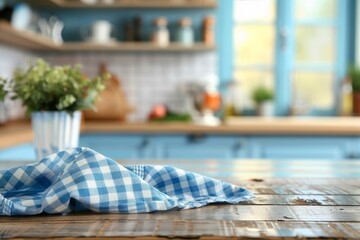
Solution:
(81, 179)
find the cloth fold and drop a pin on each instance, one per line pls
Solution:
(82, 179)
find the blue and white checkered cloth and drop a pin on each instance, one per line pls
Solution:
(81, 179)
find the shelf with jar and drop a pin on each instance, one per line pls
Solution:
(25, 28)
(29, 40)
(124, 3)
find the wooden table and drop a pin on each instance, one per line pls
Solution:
(294, 199)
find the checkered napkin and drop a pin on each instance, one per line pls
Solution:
(81, 179)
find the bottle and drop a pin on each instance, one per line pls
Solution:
(185, 34)
(161, 35)
(346, 104)
(208, 31)
(128, 32)
(137, 29)
(211, 95)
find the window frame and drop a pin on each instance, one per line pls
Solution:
(284, 60)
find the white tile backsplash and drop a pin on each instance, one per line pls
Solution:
(147, 78)
(10, 59)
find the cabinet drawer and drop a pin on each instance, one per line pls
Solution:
(300, 147)
(114, 146)
(195, 146)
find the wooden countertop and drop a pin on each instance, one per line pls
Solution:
(284, 208)
(241, 125)
(20, 132)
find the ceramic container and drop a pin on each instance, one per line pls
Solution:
(55, 131)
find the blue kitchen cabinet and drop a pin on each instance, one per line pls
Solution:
(182, 146)
(21, 152)
(202, 146)
(196, 146)
(303, 147)
(115, 145)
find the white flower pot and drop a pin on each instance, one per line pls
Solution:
(266, 109)
(55, 131)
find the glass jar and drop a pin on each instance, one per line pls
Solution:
(185, 34)
(161, 35)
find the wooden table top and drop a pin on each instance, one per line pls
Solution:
(298, 205)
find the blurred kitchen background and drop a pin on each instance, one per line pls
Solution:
(294, 54)
(300, 50)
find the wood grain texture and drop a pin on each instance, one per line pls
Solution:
(14, 133)
(128, 4)
(284, 208)
(24, 39)
(248, 125)
(133, 47)
(34, 41)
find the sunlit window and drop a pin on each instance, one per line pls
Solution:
(303, 45)
(254, 34)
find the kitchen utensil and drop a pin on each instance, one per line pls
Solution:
(21, 16)
(208, 30)
(56, 27)
(203, 100)
(99, 32)
(6, 11)
(111, 103)
(44, 27)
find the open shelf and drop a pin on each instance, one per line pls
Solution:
(34, 41)
(24, 39)
(127, 3)
(135, 47)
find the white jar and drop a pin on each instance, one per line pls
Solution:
(161, 36)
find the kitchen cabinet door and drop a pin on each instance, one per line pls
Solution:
(301, 147)
(115, 146)
(22, 152)
(197, 146)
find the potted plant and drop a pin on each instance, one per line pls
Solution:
(54, 97)
(354, 75)
(263, 97)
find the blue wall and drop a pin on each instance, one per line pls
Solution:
(75, 19)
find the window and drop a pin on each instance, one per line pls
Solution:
(295, 47)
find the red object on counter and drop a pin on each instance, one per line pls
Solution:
(158, 111)
(211, 101)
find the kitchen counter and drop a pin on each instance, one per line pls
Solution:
(20, 132)
(241, 125)
(294, 206)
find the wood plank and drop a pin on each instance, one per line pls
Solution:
(133, 47)
(180, 228)
(349, 126)
(298, 125)
(128, 4)
(24, 39)
(13, 135)
(303, 189)
(219, 212)
(323, 200)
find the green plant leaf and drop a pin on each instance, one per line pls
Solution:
(42, 87)
(354, 74)
(262, 94)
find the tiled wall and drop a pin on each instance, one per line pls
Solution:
(147, 78)
(10, 59)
